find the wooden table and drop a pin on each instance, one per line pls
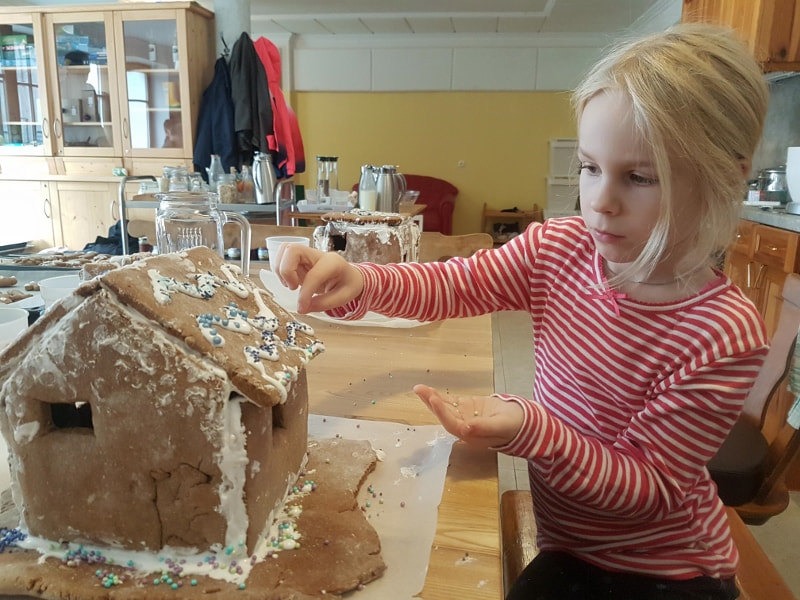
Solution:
(368, 373)
(295, 216)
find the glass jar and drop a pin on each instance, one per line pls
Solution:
(227, 190)
(246, 186)
(179, 180)
(327, 178)
(188, 219)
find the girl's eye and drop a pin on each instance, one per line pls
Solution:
(589, 168)
(643, 180)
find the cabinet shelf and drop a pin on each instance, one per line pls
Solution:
(88, 124)
(84, 68)
(153, 70)
(23, 123)
(18, 68)
(502, 225)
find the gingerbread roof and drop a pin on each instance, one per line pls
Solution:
(198, 299)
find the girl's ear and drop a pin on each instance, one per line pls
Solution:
(745, 165)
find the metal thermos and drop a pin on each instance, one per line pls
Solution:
(391, 186)
(263, 178)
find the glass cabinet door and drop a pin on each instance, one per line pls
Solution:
(152, 84)
(85, 100)
(23, 119)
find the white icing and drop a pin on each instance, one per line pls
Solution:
(232, 461)
(25, 432)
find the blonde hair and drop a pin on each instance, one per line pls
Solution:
(697, 96)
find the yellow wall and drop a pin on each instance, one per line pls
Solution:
(502, 137)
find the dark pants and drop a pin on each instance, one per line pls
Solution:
(560, 576)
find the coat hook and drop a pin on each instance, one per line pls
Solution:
(226, 50)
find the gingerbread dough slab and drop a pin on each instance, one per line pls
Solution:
(339, 549)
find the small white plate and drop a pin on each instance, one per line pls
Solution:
(35, 301)
(306, 208)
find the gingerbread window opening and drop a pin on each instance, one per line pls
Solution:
(339, 243)
(72, 415)
(278, 417)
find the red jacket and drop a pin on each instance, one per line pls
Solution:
(286, 143)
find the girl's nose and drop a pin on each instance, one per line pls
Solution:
(604, 198)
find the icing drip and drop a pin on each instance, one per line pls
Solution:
(263, 309)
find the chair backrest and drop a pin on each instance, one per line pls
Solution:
(435, 246)
(439, 198)
(766, 410)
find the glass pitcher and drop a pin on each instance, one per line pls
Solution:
(188, 219)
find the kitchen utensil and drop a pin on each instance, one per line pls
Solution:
(188, 219)
(263, 178)
(391, 187)
(773, 182)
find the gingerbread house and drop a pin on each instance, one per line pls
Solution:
(369, 236)
(161, 405)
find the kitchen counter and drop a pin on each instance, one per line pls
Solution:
(772, 217)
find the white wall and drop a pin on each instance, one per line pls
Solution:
(441, 62)
(392, 63)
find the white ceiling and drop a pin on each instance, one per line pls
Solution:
(344, 17)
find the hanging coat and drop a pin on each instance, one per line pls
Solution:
(286, 144)
(252, 109)
(215, 133)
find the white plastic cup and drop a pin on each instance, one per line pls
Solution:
(13, 321)
(53, 289)
(274, 244)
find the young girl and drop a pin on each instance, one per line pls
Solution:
(644, 350)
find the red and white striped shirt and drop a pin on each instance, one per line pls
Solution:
(630, 400)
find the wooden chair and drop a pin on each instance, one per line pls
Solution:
(439, 198)
(758, 579)
(751, 465)
(435, 246)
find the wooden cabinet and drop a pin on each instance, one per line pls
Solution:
(758, 263)
(24, 116)
(105, 86)
(771, 28)
(26, 212)
(86, 89)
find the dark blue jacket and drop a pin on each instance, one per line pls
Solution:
(215, 131)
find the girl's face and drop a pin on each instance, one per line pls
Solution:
(620, 194)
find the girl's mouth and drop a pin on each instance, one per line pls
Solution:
(606, 237)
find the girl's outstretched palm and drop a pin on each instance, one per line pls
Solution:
(481, 421)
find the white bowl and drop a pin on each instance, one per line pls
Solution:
(13, 321)
(53, 289)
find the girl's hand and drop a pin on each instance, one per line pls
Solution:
(480, 421)
(326, 280)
